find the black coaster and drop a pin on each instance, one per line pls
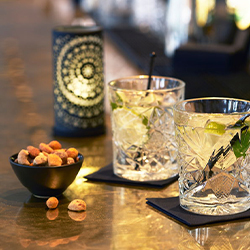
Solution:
(171, 207)
(106, 174)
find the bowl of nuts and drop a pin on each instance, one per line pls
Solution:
(46, 170)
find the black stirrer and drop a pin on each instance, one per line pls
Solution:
(152, 57)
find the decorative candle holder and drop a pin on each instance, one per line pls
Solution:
(78, 81)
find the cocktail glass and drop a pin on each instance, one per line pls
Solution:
(143, 128)
(213, 138)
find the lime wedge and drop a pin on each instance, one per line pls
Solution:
(215, 128)
(129, 127)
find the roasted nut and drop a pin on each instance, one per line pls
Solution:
(41, 159)
(41, 155)
(55, 145)
(52, 203)
(54, 160)
(22, 157)
(46, 148)
(77, 205)
(33, 152)
(72, 152)
(45, 153)
(70, 160)
(62, 154)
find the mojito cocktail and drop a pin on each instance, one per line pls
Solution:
(213, 138)
(144, 147)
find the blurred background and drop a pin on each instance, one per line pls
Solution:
(203, 42)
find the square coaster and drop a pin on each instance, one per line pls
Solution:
(171, 207)
(106, 174)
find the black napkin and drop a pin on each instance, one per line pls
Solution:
(171, 207)
(106, 174)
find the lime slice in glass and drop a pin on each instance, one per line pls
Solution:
(215, 128)
(129, 127)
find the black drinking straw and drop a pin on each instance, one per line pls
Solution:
(152, 57)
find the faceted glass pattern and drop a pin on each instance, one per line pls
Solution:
(213, 156)
(144, 147)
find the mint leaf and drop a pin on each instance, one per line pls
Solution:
(242, 143)
(118, 98)
(113, 105)
(145, 120)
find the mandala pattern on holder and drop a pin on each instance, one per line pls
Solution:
(79, 80)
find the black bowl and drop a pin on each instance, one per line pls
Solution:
(45, 181)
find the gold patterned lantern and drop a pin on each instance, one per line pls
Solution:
(78, 81)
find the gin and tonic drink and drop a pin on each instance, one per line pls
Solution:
(213, 138)
(143, 129)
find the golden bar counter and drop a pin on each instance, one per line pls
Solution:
(117, 216)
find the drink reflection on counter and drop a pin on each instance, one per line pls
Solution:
(231, 236)
(135, 224)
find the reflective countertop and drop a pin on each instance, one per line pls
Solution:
(117, 216)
